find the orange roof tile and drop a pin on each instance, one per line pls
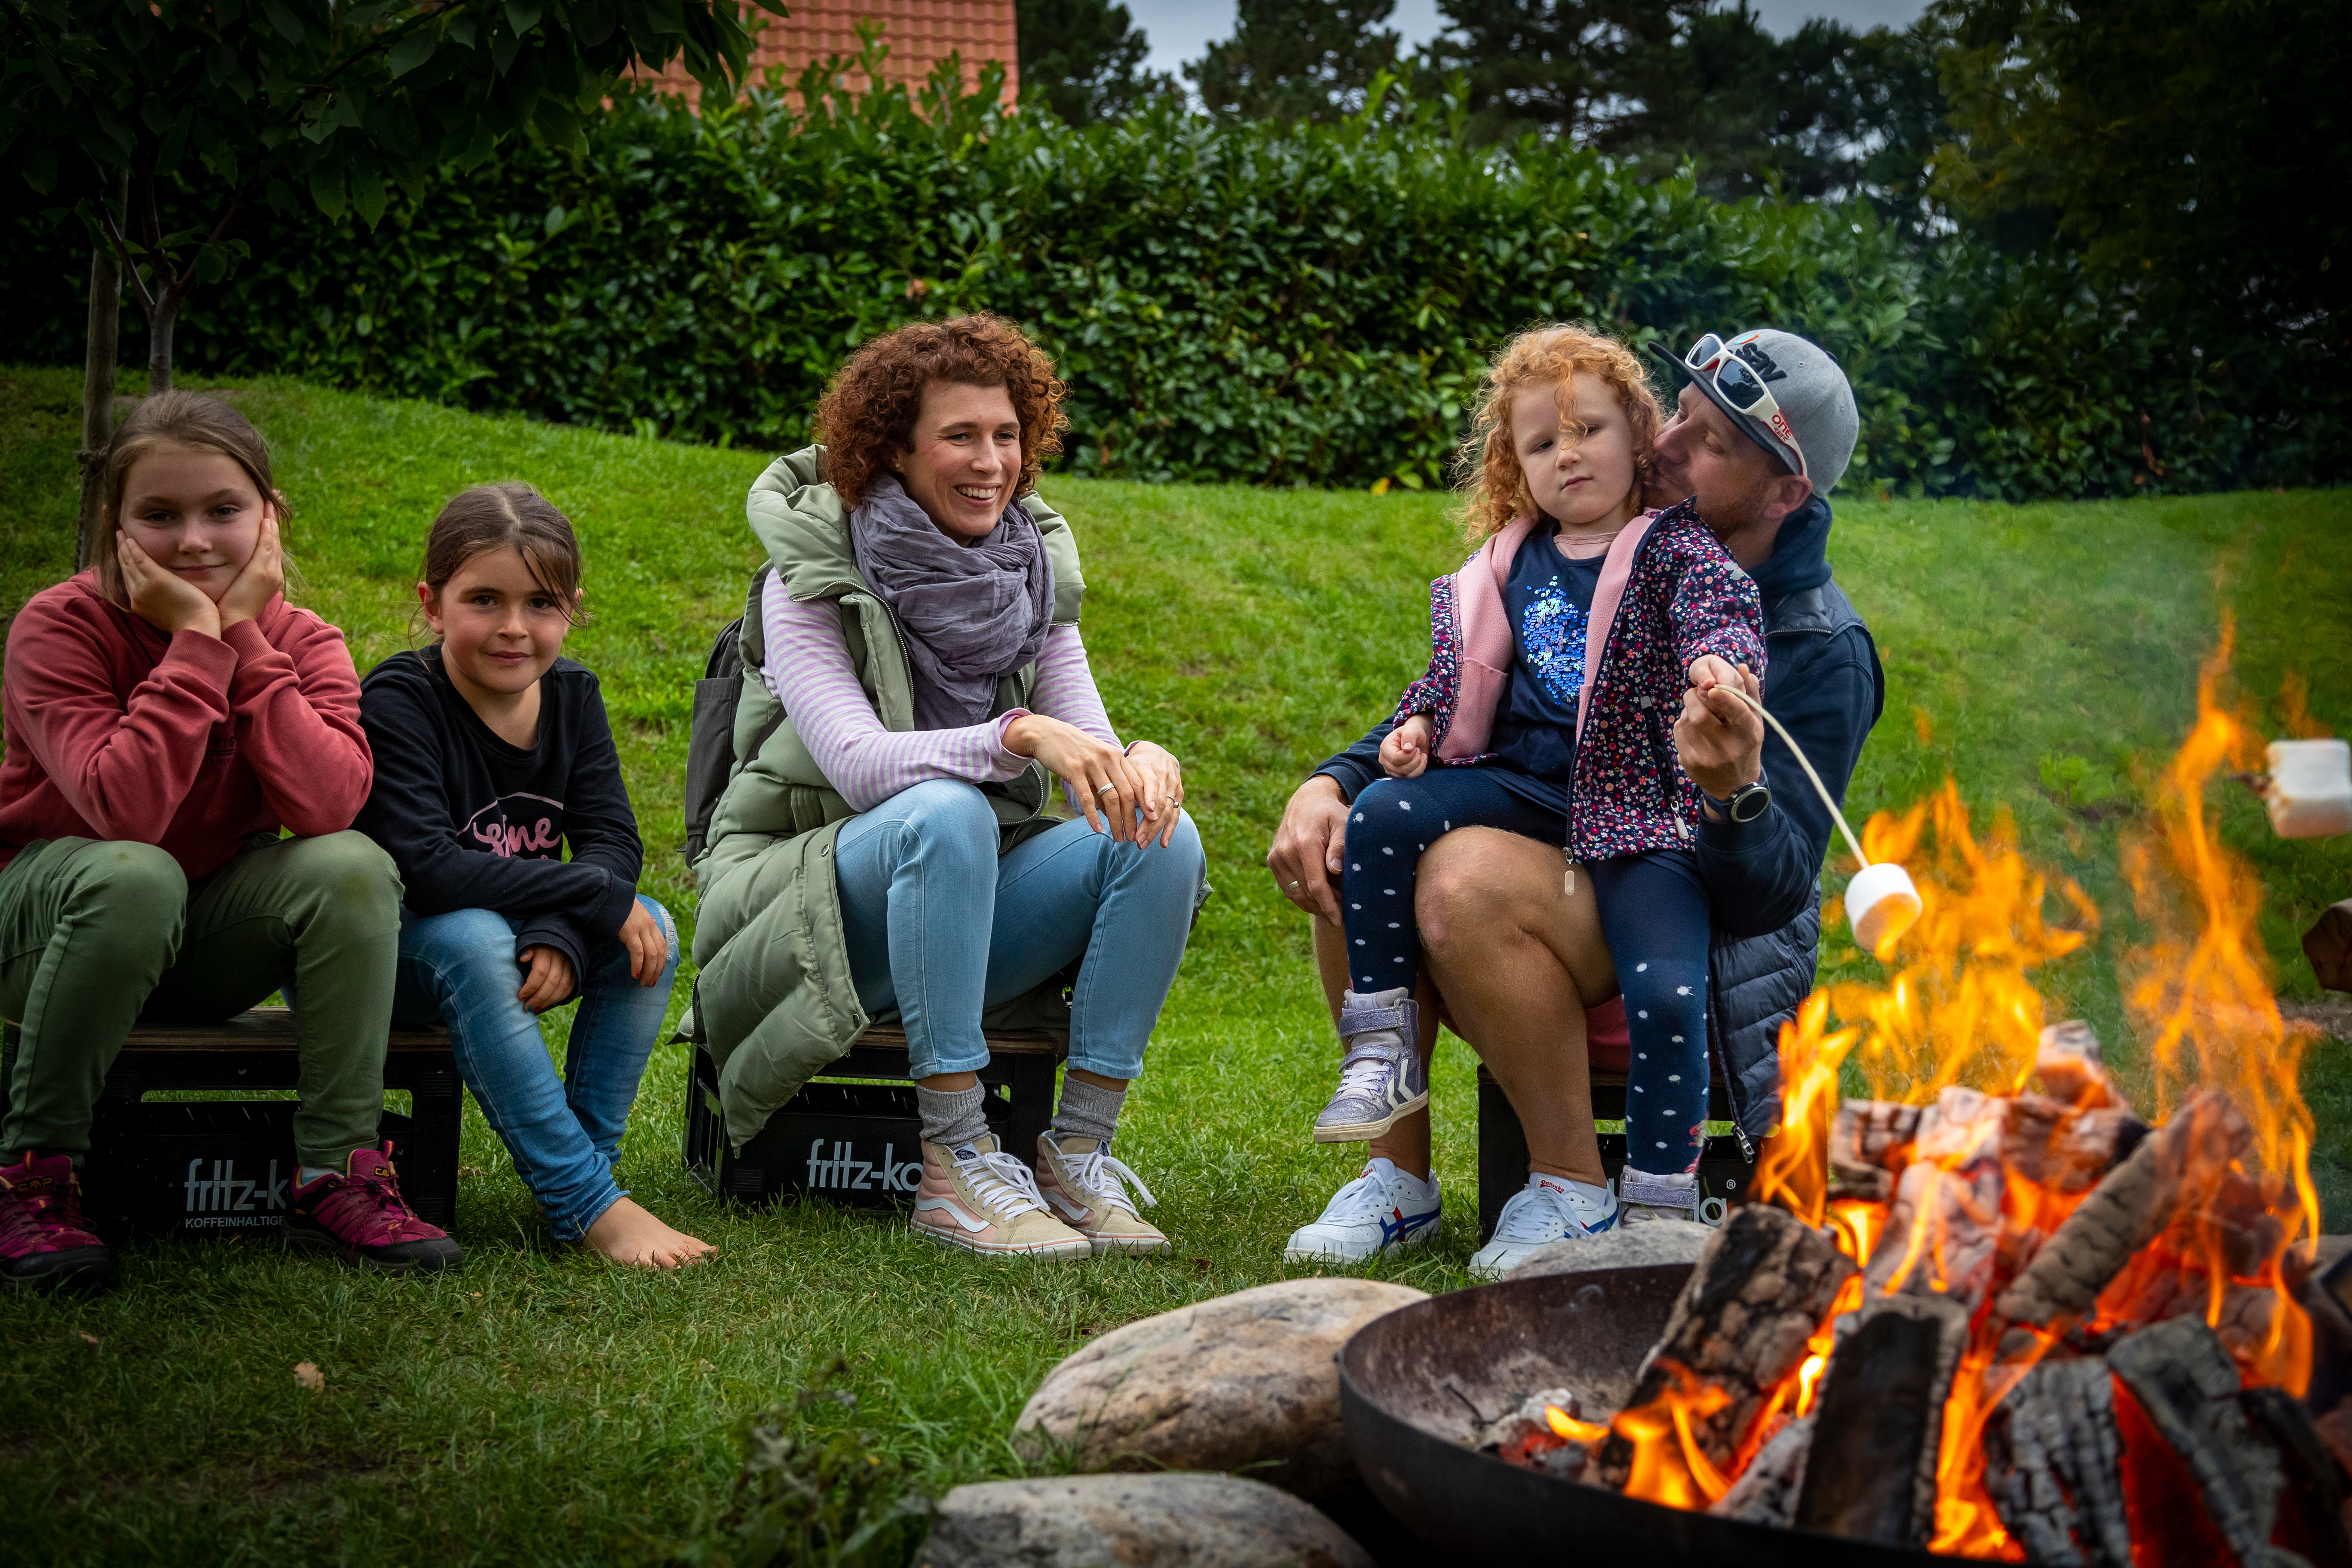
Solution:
(920, 34)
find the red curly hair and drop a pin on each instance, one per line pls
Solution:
(868, 412)
(1550, 356)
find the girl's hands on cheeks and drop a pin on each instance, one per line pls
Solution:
(1162, 777)
(546, 977)
(1108, 788)
(160, 596)
(262, 580)
(1404, 754)
(649, 946)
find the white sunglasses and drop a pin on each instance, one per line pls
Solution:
(1737, 381)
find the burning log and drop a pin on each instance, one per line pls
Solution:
(1544, 1434)
(1740, 1326)
(2069, 1066)
(2173, 1168)
(1766, 1491)
(1871, 1472)
(1870, 1143)
(2184, 1390)
(1943, 1235)
(2051, 1458)
(2311, 1513)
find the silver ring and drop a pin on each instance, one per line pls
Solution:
(1299, 884)
(1106, 789)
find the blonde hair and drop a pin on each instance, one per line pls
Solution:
(1496, 490)
(190, 420)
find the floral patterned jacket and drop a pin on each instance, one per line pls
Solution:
(1669, 592)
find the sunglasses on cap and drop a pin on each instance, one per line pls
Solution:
(1735, 382)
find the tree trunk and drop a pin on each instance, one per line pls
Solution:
(97, 383)
(159, 344)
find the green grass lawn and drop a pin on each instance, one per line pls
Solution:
(541, 1407)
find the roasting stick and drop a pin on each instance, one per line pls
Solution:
(1880, 902)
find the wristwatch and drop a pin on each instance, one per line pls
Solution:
(1748, 803)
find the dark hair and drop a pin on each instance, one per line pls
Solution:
(177, 418)
(510, 516)
(868, 412)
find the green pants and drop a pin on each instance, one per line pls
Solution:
(96, 935)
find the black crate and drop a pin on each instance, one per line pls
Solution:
(1725, 1173)
(180, 1167)
(859, 1144)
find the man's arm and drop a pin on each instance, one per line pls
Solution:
(1357, 768)
(1305, 855)
(1761, 875)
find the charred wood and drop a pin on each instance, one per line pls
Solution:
(2178, 1165)
(2068, 1065)
(1871, 1472)
(1759, 1290)
(2050, 1457)
(1870, 1143)
(2187, 1387)
(1766, 1491)
(1943, 1235)
(2311, 1520)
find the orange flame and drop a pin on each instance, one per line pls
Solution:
(1569, 1428)
(1959, 1008)
(1793, 1169)
(2199, 991)
(1669, 1467)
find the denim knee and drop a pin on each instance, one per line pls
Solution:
(944, 817)
(668, 925)
(466, 945)
(1179, 865)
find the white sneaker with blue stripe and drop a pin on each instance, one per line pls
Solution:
(1382, 1211)
(1548, 1209)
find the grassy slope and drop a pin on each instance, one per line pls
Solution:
(540, 1407)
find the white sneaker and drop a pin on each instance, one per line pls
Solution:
(1548, 1209)
(1382, 1211)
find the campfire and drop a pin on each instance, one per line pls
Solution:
(1995, 1305)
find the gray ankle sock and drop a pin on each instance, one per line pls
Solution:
(1088, 1110)
(952, 1117)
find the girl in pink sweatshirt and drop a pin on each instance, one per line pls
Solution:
(171, 720)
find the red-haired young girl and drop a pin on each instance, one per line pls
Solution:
(1560, 653)
(169, 719)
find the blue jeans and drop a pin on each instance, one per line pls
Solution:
(459, 969)
(942, 926)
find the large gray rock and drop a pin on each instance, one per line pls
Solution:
(1234, 1382)
(1627, 1246)
(1120, 1521)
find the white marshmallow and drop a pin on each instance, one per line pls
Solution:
(1881, 903)
(2310, 791)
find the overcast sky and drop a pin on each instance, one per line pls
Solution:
(1181, 30)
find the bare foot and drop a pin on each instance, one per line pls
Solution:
(625, 1233)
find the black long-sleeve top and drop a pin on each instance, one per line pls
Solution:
(474, 822)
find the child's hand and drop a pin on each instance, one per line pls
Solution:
(1707, 671)
(1405, 752)
(647, 943)
(263, 579)
(547, 976)
(160, 596)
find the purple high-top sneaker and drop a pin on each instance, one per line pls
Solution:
(361, 1218)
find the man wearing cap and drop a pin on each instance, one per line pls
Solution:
(1764, 427)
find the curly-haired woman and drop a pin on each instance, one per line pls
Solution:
(884, 844)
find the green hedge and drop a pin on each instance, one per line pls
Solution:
(1228, 301)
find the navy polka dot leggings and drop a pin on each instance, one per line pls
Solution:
(1654, 915)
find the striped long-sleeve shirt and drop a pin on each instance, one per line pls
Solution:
(808, 670)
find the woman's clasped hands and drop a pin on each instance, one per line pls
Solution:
(1132, 794)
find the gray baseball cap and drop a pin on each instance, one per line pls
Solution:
(1815, 402)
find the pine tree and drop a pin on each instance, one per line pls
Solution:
(1084, 59)
(1297, 60)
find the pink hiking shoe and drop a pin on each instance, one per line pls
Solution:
(362, 1217)
(43, 1244)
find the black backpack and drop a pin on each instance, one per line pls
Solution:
(710, 741)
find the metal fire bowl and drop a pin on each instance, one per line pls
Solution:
(1417, 1385)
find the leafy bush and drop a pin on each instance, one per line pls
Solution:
(1281, 304)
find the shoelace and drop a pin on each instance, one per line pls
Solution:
(1363, 1187)
(1521, 1222)
(1107, 1177)
(1362, 1072)
(1002, 1183)
(388, 1215)
(37, 1216)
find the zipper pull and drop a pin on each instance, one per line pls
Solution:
(1567, 888)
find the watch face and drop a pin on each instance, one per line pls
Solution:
(1750, 802)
